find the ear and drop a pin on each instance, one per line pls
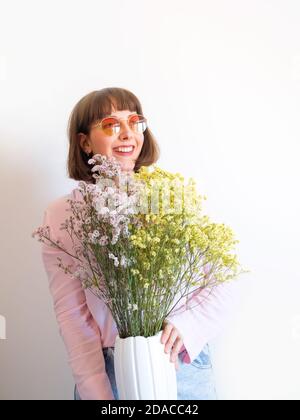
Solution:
(84, 143)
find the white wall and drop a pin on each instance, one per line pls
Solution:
(220, 84)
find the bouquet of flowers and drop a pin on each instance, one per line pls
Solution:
(142, 244)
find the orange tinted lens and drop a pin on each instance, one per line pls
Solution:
(138, 123)
(110, 126)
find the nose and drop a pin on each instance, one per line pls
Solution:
(125, 130)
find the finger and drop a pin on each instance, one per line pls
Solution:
(176, 348)
(171, 340)
(166, 332)
(176, 363)
(178, 344)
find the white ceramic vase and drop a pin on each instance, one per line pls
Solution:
(143, 370)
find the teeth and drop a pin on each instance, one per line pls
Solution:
(125, 149)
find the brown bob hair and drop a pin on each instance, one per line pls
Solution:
(92, 107)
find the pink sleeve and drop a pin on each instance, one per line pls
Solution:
(209, 311)
(77, 327)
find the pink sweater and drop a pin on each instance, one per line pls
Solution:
(86, 324)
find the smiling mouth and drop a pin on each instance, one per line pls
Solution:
(124, 151)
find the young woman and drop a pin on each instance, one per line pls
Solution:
(111, 122)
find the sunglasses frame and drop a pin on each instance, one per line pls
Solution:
(99, 124)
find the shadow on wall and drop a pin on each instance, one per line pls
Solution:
(33, 360)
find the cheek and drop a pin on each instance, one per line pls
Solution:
(102, 145)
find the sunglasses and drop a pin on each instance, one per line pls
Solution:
(111, 125)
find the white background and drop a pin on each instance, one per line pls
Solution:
(219, 82)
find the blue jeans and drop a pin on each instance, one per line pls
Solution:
(195, 381)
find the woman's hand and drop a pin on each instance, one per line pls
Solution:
(172, 340)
